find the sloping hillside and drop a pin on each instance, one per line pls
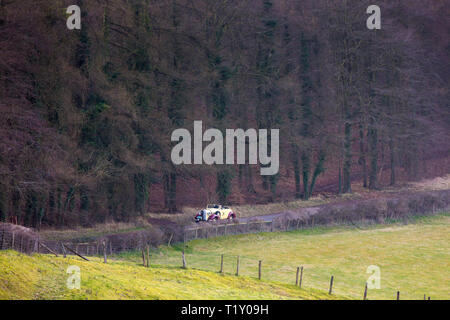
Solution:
(45, 277)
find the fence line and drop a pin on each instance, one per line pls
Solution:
(367, 211)
(30, 243)
(18, 241)
(116, 243)
(215, 229)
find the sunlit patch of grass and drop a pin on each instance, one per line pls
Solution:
(44, 277)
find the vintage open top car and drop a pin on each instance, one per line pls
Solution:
(215, 212)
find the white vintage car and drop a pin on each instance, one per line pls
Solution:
(215, 212)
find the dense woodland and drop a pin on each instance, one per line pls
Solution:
(87, 115)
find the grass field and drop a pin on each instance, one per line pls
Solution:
(413, 258)
(45, 277)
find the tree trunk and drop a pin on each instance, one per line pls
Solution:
(392, 155)
(305, 175)
(340, 178)
(346, 188)
(362, 155)
(317, 171)
(373, 146)
(170, 191)
(297, 176)
(166, 189)
(173, 192)
(250, 186)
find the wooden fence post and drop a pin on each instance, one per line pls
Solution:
(50, 250)
(148, 256)
(143, 256)
(331, 285)
(259, 270)
(237, 266)
(301, 276)
(75, 252)
(398, 295)
(184, 259)
(296, 276)
(63, 250)
(170, 240)
(104, 252)
(221, 264)
(365, 292)
(13, 238)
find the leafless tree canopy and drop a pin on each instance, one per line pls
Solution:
(86, 115)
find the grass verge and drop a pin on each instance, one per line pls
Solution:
(45, 277)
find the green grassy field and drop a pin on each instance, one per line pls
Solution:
(413, 258)
(44, 277)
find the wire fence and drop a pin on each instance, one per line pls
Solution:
(30, 242)
(320, 278)
(210, 230)
(253, 267)
(18, 240)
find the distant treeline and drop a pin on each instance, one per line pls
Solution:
(87, 115)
